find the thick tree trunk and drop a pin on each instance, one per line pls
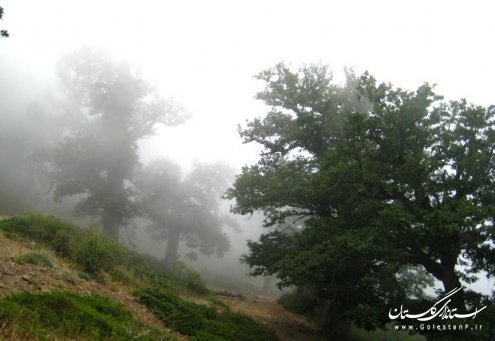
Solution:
(113, 211)
(172, 248)
(451, 281)
(336, 326)
(444, 270)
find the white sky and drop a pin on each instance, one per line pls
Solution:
(204, 53)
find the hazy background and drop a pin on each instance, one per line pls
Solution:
(204, 54)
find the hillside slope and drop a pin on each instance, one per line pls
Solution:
(61, 282)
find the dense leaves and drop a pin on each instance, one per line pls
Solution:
(360, 179)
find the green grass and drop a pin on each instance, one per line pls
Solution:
(96, 318)
(200, 322)
(49, 316)
(94, 253)
(36, 258)
(357, 334)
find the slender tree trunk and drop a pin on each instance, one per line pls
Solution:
(172, 248)
(111, 223)
(267, 284)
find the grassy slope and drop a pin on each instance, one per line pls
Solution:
(59, 314)
(69, 314)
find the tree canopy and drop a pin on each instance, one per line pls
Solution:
(186, 208)
(361, 179)
(109, 107)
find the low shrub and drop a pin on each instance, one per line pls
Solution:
(37, 227)
(96, 253)
(70, 315)
(36, 258)
(88, 248)
(200, 322)
(84, 275)
(93, 253)
(190, 278)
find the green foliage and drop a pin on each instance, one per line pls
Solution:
(357, 334)
(43, 229)
(36, 258)
(96, 253)
(360, 179)
(69, 278)
(86, 247)
(84, 275)
(93, 253)
(69, 315)
(9, 235)
(190, 278)
(201, 322)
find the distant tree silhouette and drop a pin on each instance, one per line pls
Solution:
(3, 33)
(186, 209)
(112, 108)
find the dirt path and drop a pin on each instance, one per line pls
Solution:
(288, 326)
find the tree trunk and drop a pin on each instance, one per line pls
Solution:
(336, 326)
(267, 284)
(116, 201)
(450, 282)
(444, 271)
(172, 248)
(111, 223)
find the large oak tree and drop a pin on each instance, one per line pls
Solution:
(380, 178)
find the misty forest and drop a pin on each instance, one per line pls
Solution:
(343, 207)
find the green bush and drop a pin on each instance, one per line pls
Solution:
(190, 278)
(64, 240)
(50, 231)
(37, 227)
(93, 253)
(36, 258)
(9, 235)
(84, 275)
(96, 253)
(88, 248)
(201, 322)
(70, 315)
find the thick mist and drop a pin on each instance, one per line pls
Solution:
(64, 143)
(126, 116)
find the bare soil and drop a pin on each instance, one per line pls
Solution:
(287, 325)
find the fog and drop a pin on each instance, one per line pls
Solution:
(202, 56)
